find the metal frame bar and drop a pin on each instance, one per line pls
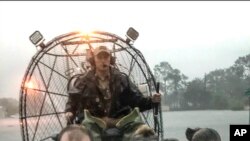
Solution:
(64, 40)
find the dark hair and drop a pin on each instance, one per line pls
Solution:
(76, 132)
(202, 134)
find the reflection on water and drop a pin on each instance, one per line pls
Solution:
(10, 129)
(175, 123)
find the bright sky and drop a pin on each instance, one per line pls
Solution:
(195, 37)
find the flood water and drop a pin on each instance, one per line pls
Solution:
(175, 123)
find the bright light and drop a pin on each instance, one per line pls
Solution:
(29, 85)
(86, 33)
(89, 34)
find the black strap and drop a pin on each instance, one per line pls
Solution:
(156, 107)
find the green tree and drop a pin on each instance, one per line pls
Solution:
(173, 83)
(161, 72)
(10, 105)
(196, 96)
(242, 66)
(228, 85)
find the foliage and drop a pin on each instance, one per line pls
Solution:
(172, 83)
(196, 95)
(219, 89)
(10, 105)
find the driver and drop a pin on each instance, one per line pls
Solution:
(108, 98)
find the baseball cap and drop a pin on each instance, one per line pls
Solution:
(100, 49)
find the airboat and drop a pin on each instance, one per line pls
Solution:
(43, 92)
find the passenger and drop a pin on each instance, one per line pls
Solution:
(74, 133)
(202, 134)
(108, 99)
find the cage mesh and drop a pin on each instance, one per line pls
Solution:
(43, 93)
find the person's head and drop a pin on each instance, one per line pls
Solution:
(74, 133)
(202, 134)
(102, 57)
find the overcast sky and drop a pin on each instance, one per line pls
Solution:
(194, 37)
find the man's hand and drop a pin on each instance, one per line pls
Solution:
(156, 98)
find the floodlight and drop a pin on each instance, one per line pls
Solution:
(37, 39)
(132, 35)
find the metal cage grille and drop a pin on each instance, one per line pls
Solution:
(43, 92)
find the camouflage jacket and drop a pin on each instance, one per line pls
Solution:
(85, 94)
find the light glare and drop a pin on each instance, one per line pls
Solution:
(29, 85)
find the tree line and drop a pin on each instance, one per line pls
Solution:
(9, 106)
(219, 89)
